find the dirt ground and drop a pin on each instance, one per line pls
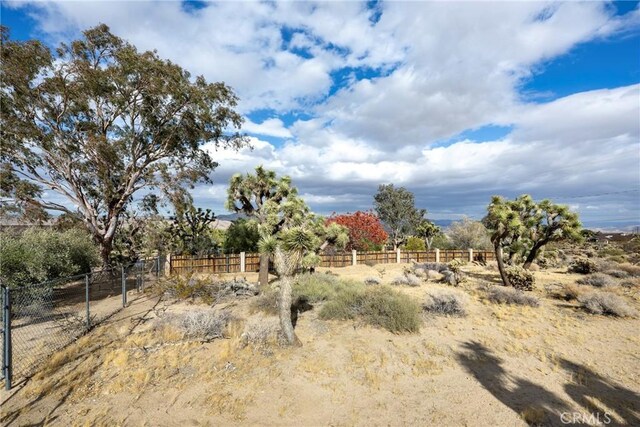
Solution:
(499, 366)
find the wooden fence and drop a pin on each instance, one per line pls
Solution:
(250, 262)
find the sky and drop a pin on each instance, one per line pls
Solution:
(456, 101)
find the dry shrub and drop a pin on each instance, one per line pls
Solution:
(261, 333)
(503, 295)
(197, 324)
(597, 280)
(606, 303)
(370, 263)
(520, 278)
(266, 302)
(565, 291)
(188, 287)
(633, 282)
(372, 281)
(618, 274)
(379, 306)
(407, 279)
(583, 266)
(632, 270)
(449, 303)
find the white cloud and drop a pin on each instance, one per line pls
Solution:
(428, 71)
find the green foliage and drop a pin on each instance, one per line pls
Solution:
(378, 306)
(396, 208)
(583, 266)
(520, 278)
(241, 236)
(441, 241)
(38, 255)
(97, 121)
(415, 244)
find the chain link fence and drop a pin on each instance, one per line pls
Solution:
(38, 320)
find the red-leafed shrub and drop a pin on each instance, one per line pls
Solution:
(365, 230)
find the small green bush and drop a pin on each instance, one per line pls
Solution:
(520, 278)
(597, 280)
(38, 255)
(607, 304)
(380, 306)
(583, 266)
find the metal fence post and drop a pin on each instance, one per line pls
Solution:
(158, 266)
(124, 288)
(86, 285)
(7, 365)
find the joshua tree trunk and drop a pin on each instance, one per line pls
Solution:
(503, 274)
(533, 254)
(263, 275)
(284, 309)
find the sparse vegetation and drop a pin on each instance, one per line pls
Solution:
(449, 303)
(606, 303)
(565, 291)
(408, 279)
(379, 306)
(504, 295)
(197, 324)
(597, 280)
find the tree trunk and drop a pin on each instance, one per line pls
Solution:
(263, 275)
(106, 246)
(284, 309)
(533, 254)
(503, 274)
(428, 242)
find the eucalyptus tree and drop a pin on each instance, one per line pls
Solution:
(97, 121)
(396, 208)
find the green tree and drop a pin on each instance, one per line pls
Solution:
(269, 201)
(396, 208)
(98, 121)
(242, 236)
(427, 230)
(415, 243)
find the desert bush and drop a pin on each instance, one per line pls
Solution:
(191, 287)
(583, 266)
(408, 279)
(38, 255)
(618, 274)
(633, 270)
(611, 250)
(564, 291)
(261, 333)
(617, 259)
(606, 303)
(520, 278)
(198, 324)
(433, 266)
(448, 303)
(370, 263)
(467, 233)
(379, 306)
(372, 281)
(503, 295)
(633, 282)
(597, 280)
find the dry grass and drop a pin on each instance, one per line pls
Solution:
(606, 303)
(597, 280)
(446, 302)
(503, 295)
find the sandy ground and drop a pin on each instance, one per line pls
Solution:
(499, 366)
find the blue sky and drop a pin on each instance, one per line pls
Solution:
(455, 101)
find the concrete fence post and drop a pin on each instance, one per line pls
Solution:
(437, 255)
(243, 266)
(354, 257)
(470, 255)
(398, 256)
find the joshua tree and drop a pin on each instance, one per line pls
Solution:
(427, 230)
(269, 201)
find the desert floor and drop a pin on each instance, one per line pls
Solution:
(501, 365)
